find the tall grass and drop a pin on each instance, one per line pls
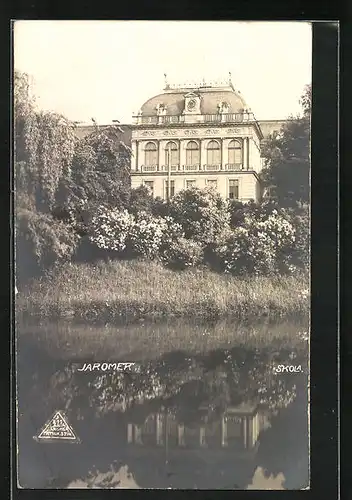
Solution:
(69, 340)
(122, 290)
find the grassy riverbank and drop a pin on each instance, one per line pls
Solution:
(130, 290)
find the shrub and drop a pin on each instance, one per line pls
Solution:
(140, 235)
(202, 213)
(151, 236)
(301, 249)
(146, 235)
(261, 245)
(183, 253)
(41, 241)
(111, 228)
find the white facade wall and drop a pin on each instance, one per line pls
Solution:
(247, 177)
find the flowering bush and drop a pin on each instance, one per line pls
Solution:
(149, 234)
(202, 213)
(301, 250)
(141, 235)
(261, 245)
(183, 253)
(111, 228)
(263, 241)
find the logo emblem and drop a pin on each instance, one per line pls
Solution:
(57, 428)
(191, 104)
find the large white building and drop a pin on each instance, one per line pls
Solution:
(197, 135)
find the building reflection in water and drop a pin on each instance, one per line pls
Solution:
(188, 421)
(237, 430)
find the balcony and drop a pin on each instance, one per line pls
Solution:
(212, 167)
(228, 167)
(197, 118)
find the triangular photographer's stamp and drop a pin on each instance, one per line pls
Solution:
(56, 429)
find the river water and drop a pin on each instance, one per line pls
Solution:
(207, 408)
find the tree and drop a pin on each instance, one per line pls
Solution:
(99, 172)
(61, 178)
(44, 148)
(287, 164)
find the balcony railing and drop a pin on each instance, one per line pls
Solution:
(149, 168)
(212, 167)
(192, 168)
(196, 118)
(233, 166)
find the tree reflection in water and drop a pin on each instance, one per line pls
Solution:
(185, 421)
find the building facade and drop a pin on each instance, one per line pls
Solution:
(197, 135)
(237, 429)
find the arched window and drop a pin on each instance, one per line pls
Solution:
(213, 153)
(192, 153)
(171, 149)
(235, 152)
(151, 154)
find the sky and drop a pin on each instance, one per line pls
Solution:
(106, 70)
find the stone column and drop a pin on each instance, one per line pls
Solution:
(138, 434)
(202, 436)
(244, 153)
(159, 429)
(158, 155)
(224, 153)
(134, 155)
(161, 154)
(129, 433)
(248, 149)
(224, 431)
(178, 142)
(140, 155)
(255, 429)
(203, 153)
(181, 435)
(244, 433)
(137, 155)
(250, 436)
(182, 146)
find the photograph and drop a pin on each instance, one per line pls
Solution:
(162, 235)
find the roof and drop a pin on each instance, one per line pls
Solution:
(267, 127)
(270, 126)
(82, 131)
(210, 99)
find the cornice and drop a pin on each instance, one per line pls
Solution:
(196, 173)
(156, 126)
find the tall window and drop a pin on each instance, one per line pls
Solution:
(172, 189)
(150, 186)
(235, 153)
(192, 153)
(233, 189)
(213, 183)
(190, 183)
(172, 150)
(151, 154)
(213, 153)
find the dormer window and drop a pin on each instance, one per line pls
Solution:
(223, 107)
(192, 103)
(160, 109)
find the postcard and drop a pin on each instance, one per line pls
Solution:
(162, 214)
